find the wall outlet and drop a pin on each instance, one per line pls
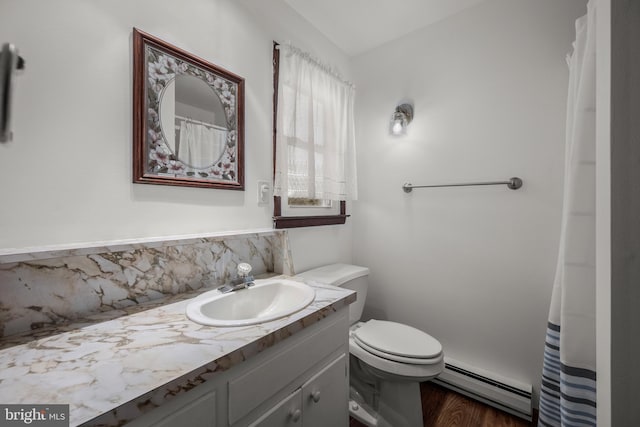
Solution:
(264, 192)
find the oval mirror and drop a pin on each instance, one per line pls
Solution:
(193, 122)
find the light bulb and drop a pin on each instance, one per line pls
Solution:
(397, 127)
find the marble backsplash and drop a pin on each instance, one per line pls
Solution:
(49, 286)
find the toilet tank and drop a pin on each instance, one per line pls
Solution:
(346, 276)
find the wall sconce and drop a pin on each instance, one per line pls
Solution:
(401, 118)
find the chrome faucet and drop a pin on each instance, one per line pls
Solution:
(243, 281)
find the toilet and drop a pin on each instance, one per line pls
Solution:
(388, 360)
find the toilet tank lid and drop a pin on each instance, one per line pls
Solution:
(335, 274)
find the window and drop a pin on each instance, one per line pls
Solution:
(314, 143)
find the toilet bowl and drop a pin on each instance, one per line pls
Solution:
(388, 360)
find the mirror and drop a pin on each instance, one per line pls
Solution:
(188, 118)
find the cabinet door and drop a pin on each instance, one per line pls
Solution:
(287, 413)
(193, 409)
(325, 396)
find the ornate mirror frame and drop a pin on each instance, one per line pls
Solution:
(156, 63)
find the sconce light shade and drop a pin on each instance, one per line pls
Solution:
(400, 118)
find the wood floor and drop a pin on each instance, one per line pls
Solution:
(445, 408)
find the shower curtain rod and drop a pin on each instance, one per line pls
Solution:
(199, 122)
(513, 184)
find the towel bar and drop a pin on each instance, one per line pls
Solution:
(513, 184)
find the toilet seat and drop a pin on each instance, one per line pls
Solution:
(396, 371)
(394, 357)
(398, 342)
(401, 368)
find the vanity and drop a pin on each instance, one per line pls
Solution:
(148, 364)
(158, 368)
(301, 381)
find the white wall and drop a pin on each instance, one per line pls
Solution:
(472, 266)
(66, 177)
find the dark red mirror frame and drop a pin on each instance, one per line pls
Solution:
(141, 144)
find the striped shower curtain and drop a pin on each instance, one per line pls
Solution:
(568, 393)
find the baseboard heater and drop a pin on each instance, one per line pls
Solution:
(507, 395)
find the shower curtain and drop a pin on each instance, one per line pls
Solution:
(568, 393)
(201, 146)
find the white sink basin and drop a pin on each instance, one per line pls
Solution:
(268, 299)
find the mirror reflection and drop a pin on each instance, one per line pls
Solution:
(193, 122)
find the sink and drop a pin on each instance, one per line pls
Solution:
(268, 299)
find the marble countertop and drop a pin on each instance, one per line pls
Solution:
(113, 370)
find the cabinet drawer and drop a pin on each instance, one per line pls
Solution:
(270, 376)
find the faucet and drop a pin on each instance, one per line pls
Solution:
(243, 281)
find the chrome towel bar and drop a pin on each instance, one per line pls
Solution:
(513, 184)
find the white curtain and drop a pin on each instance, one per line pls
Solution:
(315, 143)
(568, 394)
(200, 146)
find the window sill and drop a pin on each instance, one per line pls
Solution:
(280, 221)
(308, 221)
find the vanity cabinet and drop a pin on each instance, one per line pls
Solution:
(302, 381)
(318, 403)
(326, 392)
